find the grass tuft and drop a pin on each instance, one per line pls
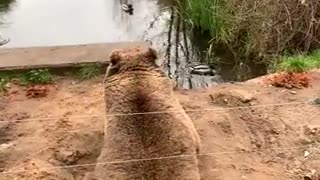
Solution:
(36, 76)
(89, 71)
(298, 63)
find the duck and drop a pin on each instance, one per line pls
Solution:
(203, 69)
(127, 8)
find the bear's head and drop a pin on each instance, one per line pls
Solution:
(133, 59)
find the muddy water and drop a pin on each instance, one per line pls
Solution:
(66, 22)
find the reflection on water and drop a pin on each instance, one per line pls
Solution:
(60, 22)
(63, 22)
(5, 5)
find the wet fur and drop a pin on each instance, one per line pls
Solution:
(135, 84)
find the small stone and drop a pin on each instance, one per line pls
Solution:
(253, 104)
(314, 131)
(73, 82)
(6, 146)
(311, 130)
(282, 155)
(8, 85)
(69, 157)
(293, 92)
(306, 141)
(306, 153)
(307, 177)
(21, 134)
(273, 140)
(247, 99)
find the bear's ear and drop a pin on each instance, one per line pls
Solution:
(151, 54)
(115, 57)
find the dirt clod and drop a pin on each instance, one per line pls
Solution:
(290, 80)
(69, 157)
(37, 91)
(231, 98)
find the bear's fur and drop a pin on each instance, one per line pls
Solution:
(135, 84)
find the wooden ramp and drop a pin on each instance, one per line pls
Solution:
(59, 56)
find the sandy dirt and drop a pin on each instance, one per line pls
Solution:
(244, 134)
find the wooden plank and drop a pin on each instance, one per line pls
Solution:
(60, 56)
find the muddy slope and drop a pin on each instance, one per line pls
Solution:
(274, 135)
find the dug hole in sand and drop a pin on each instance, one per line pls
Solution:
(248, 131)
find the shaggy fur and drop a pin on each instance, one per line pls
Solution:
(135, 84)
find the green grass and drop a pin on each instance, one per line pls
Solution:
(209, 16)
(237, 26)
(5, 78)
(316, 59)
(36, 76)
(253, 31)
(44, 76)
(298, 63)
(89, 71)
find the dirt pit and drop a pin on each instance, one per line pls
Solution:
(248, 131)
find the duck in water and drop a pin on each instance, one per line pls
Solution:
(127, 7)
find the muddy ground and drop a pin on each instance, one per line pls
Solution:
(248, 131)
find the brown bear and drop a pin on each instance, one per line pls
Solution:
(148, 135)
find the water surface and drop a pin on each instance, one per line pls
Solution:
(66, 22)
(70, 22)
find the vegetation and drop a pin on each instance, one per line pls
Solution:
(3, 83)
(44, 76)
(89, 71)
(37, 76)
(208, 16)
(5, 78)
(256, 30)
(298, 63)
(5, 5)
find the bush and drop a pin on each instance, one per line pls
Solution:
(294, 64)
(315, 57)
(298, 63)
(259, 30)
